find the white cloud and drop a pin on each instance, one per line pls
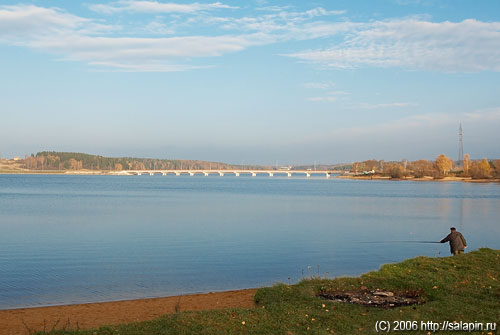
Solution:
(468, 46)
(290, 25)
(321, 86)
(75, 38)
(338, 93)
(148, 66)
(414, 137)
(22, 22)
(140, 53)
(80, 39)
(384, 105)
(72, 38)
(331, 95)
(418, 125)
(412, 43)
(323, 12)
(273, 8)
(322, 99)
(487, 114)
(155, 7)
(159, 28)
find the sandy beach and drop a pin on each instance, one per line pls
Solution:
(93, 315)
(445, 179)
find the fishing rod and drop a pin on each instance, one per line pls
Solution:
(397, 242)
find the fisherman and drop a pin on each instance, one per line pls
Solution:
(457, 242)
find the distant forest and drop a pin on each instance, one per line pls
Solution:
(51, 160)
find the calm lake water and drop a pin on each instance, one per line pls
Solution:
(75, 239)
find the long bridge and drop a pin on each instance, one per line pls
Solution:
(237, 173)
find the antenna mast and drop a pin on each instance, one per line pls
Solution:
(460, 147)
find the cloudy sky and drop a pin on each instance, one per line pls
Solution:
(251, 82)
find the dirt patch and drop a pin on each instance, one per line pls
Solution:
(85, 316)
(9, 165)
(377, 298)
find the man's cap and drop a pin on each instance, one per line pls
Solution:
(453, 228)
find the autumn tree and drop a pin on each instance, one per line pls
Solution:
(40, 162)
(404, 162)
(355, 167)
(136, 165)
(371, 164)
(444, 164)
(118, 167)
(466, 163)
(30, 162)
(394, 170)
(496, 167)
(480, 170)
(422, 168)
(74, 164)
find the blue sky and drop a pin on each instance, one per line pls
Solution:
(255, 82)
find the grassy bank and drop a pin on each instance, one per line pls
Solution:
(462, 288)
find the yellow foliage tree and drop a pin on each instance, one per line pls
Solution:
(395, 170)
(485, 168)
(496, 165)
(466, 163)
(136, 165)
(444, 164)
(423, 168)
(480, 170)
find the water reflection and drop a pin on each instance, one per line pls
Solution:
(69, 239)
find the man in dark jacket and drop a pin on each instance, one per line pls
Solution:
(457, 242)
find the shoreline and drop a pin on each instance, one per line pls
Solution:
(445, 179)
(242, 304)
(124, 173)
(94, 315)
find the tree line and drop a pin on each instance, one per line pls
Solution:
(441, 167)
(51, 160)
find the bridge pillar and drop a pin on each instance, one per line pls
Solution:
(139, 174)
(221, 173)
(205, 173)
(289, 174)
(271, 174)
(151, 173)
(191, 173)
(164, 173)
(308, 174)
(177, 173)
(237, 174)
(254, 174)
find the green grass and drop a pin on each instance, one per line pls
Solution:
(462, 288)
